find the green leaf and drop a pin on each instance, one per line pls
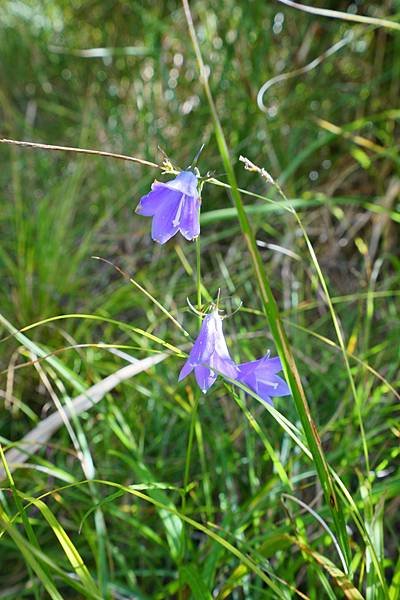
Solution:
(191, 576)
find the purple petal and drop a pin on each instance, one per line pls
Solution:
(163, 227)
(273, 389)
(186, 369)
(266, 376)
(273, 365)
(185, 182)
(204, 377)
(224, 366)
(263, 390)
(279, 387)
(155, 200)
(247, 369)
(265, 365)
(190, 221)
(264, 395)
(260, 376)
(205, 342)
(248, 379)
(220, 344)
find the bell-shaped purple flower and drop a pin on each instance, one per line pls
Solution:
(209, 352)
(174, 206)
(260, 376)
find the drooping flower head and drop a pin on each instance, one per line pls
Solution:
(260, 376)
(174, 206)
(209, 352)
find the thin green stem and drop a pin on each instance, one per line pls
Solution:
(328, 298)
(189, 449)
(335, 320)
(198, 274)
(339, 335)
(186, 481)
(25, 519)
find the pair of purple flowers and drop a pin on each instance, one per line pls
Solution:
(210, 357)
(175, 206)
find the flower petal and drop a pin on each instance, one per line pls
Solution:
(163, 227)
(273, 365)
(205, 377)
(186, 369)
(185, 182)
(220, 344)
(205, 343)
(264, 394)
(247, 369)
(262, 367)
(224, 366)
(190, 220)
(278, 387)
(155, 200)
(274, 389)
(249, 378)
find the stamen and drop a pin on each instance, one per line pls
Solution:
(177, 219)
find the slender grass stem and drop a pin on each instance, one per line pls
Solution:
(198, 275)
(24, 517)
(345, 16)
(186, 476)
(53, 148)
(189, 449)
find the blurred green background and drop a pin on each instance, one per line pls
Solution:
(121, 76)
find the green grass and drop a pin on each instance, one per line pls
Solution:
(156, 491)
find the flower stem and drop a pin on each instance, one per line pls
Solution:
(189, 449)
(186, 481)
(198, 275)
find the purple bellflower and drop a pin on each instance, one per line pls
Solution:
(209, 352)
(260, 376)
(174, 206)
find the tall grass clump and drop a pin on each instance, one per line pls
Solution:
(199, 400)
